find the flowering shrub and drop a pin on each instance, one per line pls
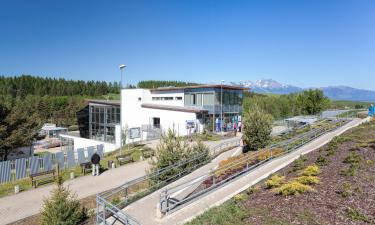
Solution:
(293, 188)
(275, 181)
(308, 180)
(312, 170)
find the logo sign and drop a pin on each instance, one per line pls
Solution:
(134, 132)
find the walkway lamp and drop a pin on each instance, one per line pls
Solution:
(221, 111)
(122, 67)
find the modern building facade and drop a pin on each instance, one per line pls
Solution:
(147, 113)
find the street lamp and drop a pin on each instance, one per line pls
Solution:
(221, 111)
(122, 67)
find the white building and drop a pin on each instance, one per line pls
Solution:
(146, 113)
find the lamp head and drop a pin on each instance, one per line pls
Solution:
(122, 66)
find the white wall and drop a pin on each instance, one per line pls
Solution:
(133, 115)
(84, 143)
(177, 93)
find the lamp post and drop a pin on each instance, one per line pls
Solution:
(221, 111)
(122, 67)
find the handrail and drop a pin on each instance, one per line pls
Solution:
(167, 193)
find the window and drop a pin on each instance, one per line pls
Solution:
(156, 122)
(178, 98)
(162, 98)
(199, 99)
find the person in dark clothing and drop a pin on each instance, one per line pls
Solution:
(95, 160)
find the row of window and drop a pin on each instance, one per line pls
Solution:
(166, 98)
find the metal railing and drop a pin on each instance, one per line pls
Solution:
(110, 203)
(198, 186)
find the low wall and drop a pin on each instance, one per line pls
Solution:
(85, 142)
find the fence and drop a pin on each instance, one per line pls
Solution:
(21, 168)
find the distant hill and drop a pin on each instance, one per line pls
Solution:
(333, 92)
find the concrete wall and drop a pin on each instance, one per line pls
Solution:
(84, 143)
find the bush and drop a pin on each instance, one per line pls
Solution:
(173, 149)
(353, 158)
(321, 161)
(293, 188)
(240, 197)
(308, 180)
(62, 208)
(355, 214)
(299, 163)
(257, 128)
(136, 155)
(312, 170)
(275, 181)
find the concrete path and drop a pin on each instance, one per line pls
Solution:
(145, 210)
(28, 203)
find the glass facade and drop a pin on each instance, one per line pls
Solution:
(210, 99)
(102, 122)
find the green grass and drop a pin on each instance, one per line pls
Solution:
(232, 213)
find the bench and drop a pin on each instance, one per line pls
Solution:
(42, 176)
(123, 159)
(86, 167)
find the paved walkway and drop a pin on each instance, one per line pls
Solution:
(149, 203)
(28, 203)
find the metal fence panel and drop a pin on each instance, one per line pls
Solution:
(20, 168)
(81, 155)
(5, 175)
(90, 152)
(60, 160)
(70, 159)
(34, 164)
(100, 150)
(47, 162)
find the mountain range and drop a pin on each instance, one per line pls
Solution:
(333, 92)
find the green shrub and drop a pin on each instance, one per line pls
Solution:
(299, 163)
(321, 161)
(312, 170)
(351, 171)
(346, 190)
(62, 208)
(355, 214)
(240, 197)
(136, 155)
(252, 190)
(353, 158)
(308, 180)
(293, 188)
(275, 181)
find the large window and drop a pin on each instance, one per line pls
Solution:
(103, 120)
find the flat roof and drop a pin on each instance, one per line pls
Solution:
(104, 102)
(230, 87)
(173, 108)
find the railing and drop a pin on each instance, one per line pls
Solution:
(110, 203)
(198, 186)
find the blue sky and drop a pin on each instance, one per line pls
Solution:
(300, 42)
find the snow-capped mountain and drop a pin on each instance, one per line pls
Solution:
(333, 92)
(269, 86)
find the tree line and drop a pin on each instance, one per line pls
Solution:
(163, 83)
(308, 102)
(41, 86)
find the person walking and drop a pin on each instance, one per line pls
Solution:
(95, 160)
(235, 129)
